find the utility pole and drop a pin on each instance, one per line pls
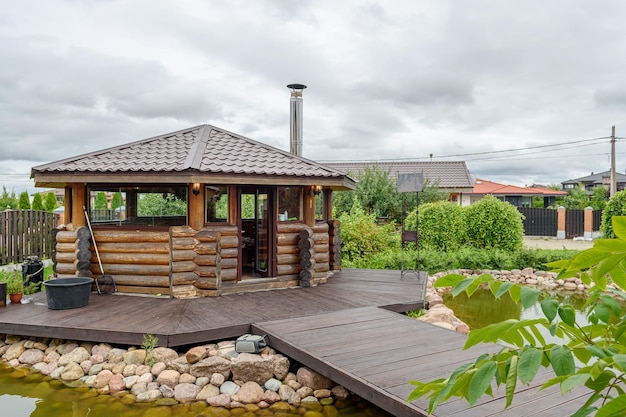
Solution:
(613, 175)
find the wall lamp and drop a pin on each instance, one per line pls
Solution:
(316, 189)
(195, 189)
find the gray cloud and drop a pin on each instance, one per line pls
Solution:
(386, 80)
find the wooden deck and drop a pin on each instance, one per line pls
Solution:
(346, 329)
(125, 319)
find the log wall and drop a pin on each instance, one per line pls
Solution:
(138, 260)
(334, 248)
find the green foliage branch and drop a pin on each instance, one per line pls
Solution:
(599, 344)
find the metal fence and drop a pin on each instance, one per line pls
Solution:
(574, 223)
(539, 221)
(24, 233)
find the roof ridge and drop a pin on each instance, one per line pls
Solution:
(196, 151)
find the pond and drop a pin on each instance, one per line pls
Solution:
(482, 309)
(28, 394)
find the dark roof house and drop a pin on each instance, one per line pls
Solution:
(592, 181)
(452, 176)
(200, 212)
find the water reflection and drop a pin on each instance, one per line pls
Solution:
(30, 394)
(482, 309)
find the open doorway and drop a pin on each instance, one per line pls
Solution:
(255, 209)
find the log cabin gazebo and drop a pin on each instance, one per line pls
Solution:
(197, 212)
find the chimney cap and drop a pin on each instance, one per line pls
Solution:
(296, 86)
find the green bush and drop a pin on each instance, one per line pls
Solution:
(361, 237)
(441, 225)
(615, 207)
(491, 223)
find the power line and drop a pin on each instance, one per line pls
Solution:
(479, 153)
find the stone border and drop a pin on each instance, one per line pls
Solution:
(214, 373)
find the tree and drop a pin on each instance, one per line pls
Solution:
(117, 201)
(37, 202)
(50, 203)
(158, 204)
(8, 201)
(377, 194)
(576, 198)
(598, 198)
(24, 202)
(599, 345)
(101, 202)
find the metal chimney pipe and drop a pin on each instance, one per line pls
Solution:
(295, 118)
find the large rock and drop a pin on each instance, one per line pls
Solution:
(312, 379)
(209, 366)
(250, 367)
(289, 395)
(250, 393)
(103, 378)
(196, 354)
(222, 400)
(281, 366)
(169, 377)
(208, 391)
(15, 350)
(117, 384)
(135, 357)
(32, 356)
(186, 392)
(72, 372)
(163, 354)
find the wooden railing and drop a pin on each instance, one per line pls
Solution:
(25, 233)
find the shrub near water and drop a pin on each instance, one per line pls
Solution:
(441, 225)
(491, 223)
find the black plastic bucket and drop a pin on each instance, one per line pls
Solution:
(32, 272)
(66, 293)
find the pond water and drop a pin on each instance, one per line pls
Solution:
(482, 309)
(25, 394)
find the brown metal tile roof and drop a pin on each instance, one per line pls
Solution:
(200, 149)
(450, 174)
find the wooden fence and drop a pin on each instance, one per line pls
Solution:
(24, 233)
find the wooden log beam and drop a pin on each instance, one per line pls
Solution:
(288, 269)
(229, 274)
(142, 280)
(284, 250)
(184, 278)
(66, 268)
(287, 239)
(183, 255)
(206, 248)
(290, 227)
(130, 236)
(130, 269)
(132, 258)
(135, 247)
(206, 260)
(287, 259)
(66, 237)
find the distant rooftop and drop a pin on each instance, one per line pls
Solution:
(452, 175)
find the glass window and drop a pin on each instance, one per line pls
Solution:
(289, 203)
(216, 203)
(145, 205)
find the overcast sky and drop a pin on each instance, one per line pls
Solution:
(388, 80)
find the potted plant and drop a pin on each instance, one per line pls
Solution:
(15, 286)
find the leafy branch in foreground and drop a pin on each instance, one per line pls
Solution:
(597, 343)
